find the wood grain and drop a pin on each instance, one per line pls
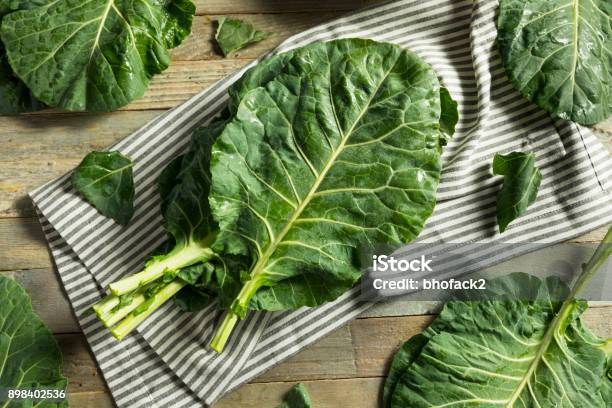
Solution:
(97, 399)
(200, 45)
(79, 365)
(22, 245)
(360, 349)
(345, 393)
(48, 298)
(348, 365)
(353, 393)
(38, 148)
(278, 6)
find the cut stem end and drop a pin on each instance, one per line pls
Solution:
(224, 331)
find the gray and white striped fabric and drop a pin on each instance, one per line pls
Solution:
(167, 363)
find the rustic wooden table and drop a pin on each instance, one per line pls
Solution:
(345, 369)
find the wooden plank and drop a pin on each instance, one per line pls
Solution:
(599, 320)
(38, 148)
(363, 348)
(353, 393)
(331, 357)
(375, 340)
(277, 6)
(182, 80)
(97, 399)
(200, 45)
(324, 366)
(50, 302)
(79, 365)
(605, 127)
(594, 236)
(48, 298)
(22, 245)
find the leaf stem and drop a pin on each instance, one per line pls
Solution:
(601, 255)
(136, 317)
(184, 257)
(224, 331)
(107, 312)
(238, 310)
(559, 322)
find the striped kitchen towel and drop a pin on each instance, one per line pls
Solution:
(167, 362)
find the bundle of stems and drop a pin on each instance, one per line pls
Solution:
(133, 299)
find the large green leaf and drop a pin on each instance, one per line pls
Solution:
(97, 55)
(557, 54)
(340, 150)
(508, 352)
(521, 183)
(29, 355)
(105, 180)
(365, 116)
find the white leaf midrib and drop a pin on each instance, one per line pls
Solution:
(262, 262)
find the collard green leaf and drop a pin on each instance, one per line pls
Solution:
(177, 16)
(510, 352)
(105, 179)
(189, 299)
(606, 389)
(166, 182)
(449, 115)
(302, 290)
(234, 34)
(97, 55)
(521, 183)
(297, 397)
(402, 360)
(8, 6)
(196, 273)
(557, 54)
(15, 97)
(29, 355)
(187, 216)
(183, 187)
(287, 122)
(338, 151)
